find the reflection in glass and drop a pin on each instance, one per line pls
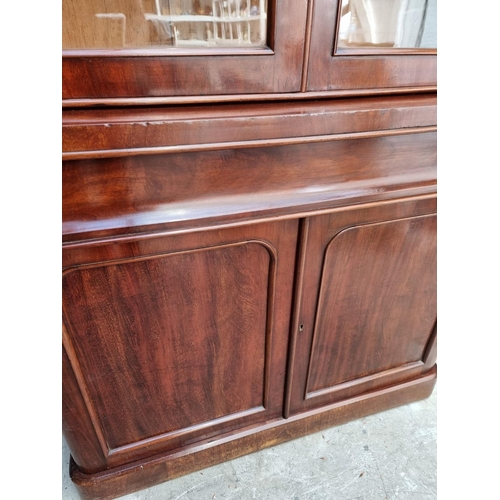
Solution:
(387, 24)
(104, 24)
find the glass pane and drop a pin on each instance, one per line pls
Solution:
(132, 24)
(387, 24)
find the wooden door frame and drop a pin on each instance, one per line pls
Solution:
(147, 73)
(331, 71)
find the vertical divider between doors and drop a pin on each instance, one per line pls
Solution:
(296, 310)
(307, 45)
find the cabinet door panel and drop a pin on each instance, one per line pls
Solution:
(172, 347)
(371, 320)
(378, 281)
(187, 69)
(382, 57)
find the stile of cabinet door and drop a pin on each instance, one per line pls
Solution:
(171, 340)
(367, 312)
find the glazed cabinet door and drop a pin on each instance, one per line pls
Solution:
(174, 341)
(372, 45)
(162, 48)
(366, 307)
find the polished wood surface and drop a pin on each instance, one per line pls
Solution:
(112, 484)
(116, 102)
(77, 425)
(356, 336)
(232, 71)
(160, 330)
(175, 339)
(103, 197)
(329, 71)
(189, 292)
(368, 302)
(249, 245)
(218, 146)
(300, 57)
(116, 129)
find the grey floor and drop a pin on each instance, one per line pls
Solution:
(388, 456)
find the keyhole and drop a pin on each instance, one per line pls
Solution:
(301, 327)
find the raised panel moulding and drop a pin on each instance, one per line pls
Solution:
(160, 334)
(371, 315)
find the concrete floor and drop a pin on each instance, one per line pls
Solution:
(388, 456)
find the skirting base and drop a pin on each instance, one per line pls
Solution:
(154, 470)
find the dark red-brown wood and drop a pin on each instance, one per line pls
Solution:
(384, 321)
(229, 71)
(240, 273)
(194, 126)
(103, 197)
(368, 302)
(117, 102)
(175, 339)
(135, 476)
(330, 71)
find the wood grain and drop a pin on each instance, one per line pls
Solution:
(199, 322)
(102, 197)
(110, 129)
(159, 328)
(114, 102)
(118, 76)
(368, 308)
(176, 339)
(108, 485)
(77, 425)
(335, 72)
(377, 303)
